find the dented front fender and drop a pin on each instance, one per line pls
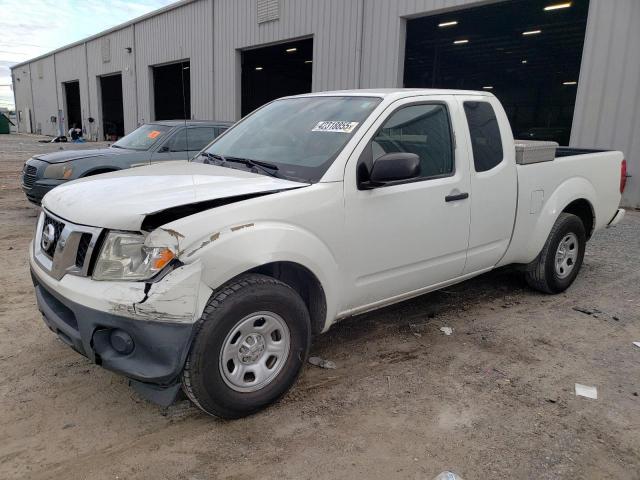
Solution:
(178, 297)
(239, 248)
(301, 226)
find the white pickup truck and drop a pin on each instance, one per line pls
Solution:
(213, 275)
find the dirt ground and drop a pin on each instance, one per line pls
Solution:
(493, 400)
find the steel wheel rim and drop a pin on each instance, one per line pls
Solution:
(566, 255)
(254, 351)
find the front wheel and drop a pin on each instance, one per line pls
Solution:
(253, 339)
(559, 262)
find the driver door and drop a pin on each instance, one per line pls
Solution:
(408, 236)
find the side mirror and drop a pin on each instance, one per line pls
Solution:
(163, 149)
(392, 168)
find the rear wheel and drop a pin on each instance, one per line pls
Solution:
(559, 262)
(252, 341)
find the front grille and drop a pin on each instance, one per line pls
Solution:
(83, 248)
(61, 247)
(57, 228)
(29, 175)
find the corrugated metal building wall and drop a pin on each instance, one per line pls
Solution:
(356, 44)
(607, 113)
(43, 89)
(21, 79)
(181, 34)
(384, 36)
(71, 66)
(108, 55)
(333, 24)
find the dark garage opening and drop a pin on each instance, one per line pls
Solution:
(275, 71)
(523, 51)
(172, 91)
(72, 98)
(112, 109)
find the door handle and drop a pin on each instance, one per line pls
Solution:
(456, 197)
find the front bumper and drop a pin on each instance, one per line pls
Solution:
(34, 185)
(159, 349)
(39, 189)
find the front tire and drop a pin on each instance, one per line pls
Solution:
(559, 262)
(252, 341)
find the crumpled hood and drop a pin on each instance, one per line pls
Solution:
(68, 155)
(121, 200)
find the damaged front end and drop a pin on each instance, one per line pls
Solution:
(140, 329)
(138, 340)
(127, 293)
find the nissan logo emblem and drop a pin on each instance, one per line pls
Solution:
(48, 236)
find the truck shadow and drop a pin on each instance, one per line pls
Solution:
(502, 286)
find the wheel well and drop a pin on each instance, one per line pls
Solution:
(583, 210)
(305, 283)
(99, 171)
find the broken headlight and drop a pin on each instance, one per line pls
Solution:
(124, 256)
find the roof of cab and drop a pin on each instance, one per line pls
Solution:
(190, 123)
(394, 92)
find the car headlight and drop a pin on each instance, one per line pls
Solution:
(124, 256)
(59, 171)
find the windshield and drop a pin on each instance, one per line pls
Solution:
(142, 138)
(301, 136)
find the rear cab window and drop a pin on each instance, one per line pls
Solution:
(486, 141)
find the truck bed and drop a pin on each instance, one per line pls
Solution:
(545, 188)
(572, 151)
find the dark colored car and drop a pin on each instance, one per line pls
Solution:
(150, 143)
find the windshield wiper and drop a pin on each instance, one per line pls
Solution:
(212, 156)
(266, 167)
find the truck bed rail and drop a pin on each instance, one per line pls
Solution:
(571, 151)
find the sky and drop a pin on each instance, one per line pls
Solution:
(29, 28)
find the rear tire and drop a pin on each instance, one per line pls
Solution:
(252, 341)
(559, 262)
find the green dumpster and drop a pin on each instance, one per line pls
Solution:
(4, 124)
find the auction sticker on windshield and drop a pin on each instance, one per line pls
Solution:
(153, 134)
(335, 126)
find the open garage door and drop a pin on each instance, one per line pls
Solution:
(526, 52)
(172, 91)
(112, 109)
(275, 71)
(72, 104)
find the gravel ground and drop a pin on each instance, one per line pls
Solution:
(493, 400)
